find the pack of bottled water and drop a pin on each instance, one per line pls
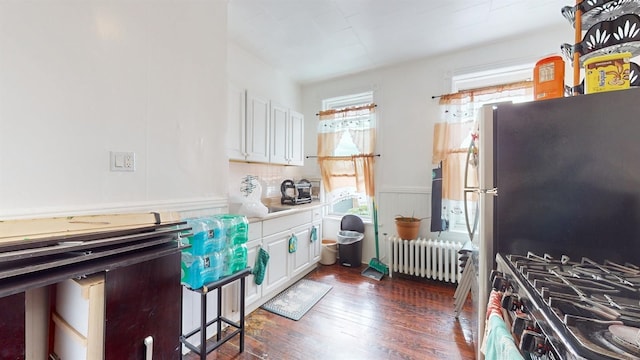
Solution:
(217, 249)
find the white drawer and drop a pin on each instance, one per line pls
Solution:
(276, 225)
(255, 230)
(317, 214)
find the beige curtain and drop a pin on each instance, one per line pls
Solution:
(364, 173)
(354, 169)
(448, 150)
(452, 135)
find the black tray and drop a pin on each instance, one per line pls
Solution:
(607, 37)
(594, 11)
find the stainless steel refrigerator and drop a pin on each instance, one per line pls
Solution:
(559, 176)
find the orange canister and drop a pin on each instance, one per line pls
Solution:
(548, 78)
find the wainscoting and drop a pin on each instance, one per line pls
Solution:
(406, 201)
(391, 202)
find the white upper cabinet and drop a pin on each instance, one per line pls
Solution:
(236, 122)
(257, 128)
(287, 136)
(262, 131)
(296, 138)
(279, 137)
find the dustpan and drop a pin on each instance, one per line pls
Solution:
(372, 273)
(376, 269)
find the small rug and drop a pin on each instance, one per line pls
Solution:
(295, 301)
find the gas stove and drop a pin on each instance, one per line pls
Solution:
(563, 309)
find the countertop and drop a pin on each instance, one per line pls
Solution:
(289, 209)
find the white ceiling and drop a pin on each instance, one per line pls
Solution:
(312, 40)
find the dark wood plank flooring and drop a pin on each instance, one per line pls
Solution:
(360, 318)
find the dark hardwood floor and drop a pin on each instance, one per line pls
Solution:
(360, 318)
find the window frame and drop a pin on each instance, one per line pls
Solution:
(336, 103)
(480, 79)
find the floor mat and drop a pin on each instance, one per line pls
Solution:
(294, 302)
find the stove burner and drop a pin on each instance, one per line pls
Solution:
(626, 336)
(597, 337)
(579, 307)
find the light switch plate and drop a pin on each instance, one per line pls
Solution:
(122, 161)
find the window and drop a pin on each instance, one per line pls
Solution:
(346, 128)
(458, 130)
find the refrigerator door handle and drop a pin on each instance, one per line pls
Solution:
(472, 151)
(471, 230)
(493, 191)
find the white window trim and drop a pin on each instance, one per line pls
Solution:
(340, 102)
(499, 76)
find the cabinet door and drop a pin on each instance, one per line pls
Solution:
(253, 292)
(236, 122)
(300, 258)
(277, 271)
(279, 131)
(12, 326)
(316, 246)
(257, 130)
(296, 138)
(143, 300)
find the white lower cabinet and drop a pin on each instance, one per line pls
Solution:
(284, 267)
(253, 291)
(316, 245)
(277, 271)
(301, 257)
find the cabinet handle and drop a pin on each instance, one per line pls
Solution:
(148, 343)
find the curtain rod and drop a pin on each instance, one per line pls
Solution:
(499, 87)
(354, 108)
(337, 157)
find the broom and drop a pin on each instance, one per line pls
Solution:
(376, 269)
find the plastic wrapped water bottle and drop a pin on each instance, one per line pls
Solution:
(199, 241)
(217, 235)
(200, 270)
(236, 228)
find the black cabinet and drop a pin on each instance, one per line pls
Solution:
(12, 322)
(141, 301)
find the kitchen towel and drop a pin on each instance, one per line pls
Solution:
(260, 266)
(499, 343)
(293, 243)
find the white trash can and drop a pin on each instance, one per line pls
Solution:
(329, 253)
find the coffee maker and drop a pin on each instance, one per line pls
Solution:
(295, 193)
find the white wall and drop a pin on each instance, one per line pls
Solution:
(253, 74)
(406, 114)
(80, 78)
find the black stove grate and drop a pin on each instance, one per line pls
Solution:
(574, 303)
